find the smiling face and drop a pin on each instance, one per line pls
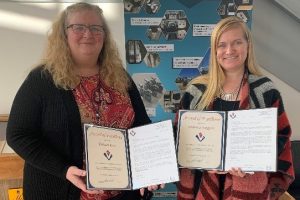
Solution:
(84, 47)
(232, 50)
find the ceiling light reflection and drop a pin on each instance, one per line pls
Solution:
(25, 23)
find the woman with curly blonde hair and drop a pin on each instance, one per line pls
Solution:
(59, 62)
(81, 80)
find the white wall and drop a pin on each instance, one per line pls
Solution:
(277, 46)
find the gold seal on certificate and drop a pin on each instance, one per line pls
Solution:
(221, 140)
(118, 159)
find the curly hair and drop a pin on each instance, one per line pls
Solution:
(216, 76)
(59, 62)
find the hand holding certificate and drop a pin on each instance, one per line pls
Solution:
(132, 159)
(222, 140)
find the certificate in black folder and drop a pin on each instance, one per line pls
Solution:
(118, 159)
(222, 140)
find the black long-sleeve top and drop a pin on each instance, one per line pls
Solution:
(45, 129)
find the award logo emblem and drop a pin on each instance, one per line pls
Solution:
(232, 115)
(132, 133)
(200, 137)
(108, 155)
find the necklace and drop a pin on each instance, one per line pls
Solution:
(233, 96)
(96, 108)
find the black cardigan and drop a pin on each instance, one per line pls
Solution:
(45, 129)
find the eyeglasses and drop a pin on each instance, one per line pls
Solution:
(80, 29)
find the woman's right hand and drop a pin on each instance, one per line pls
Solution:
(75, 176)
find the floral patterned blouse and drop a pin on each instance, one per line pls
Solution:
(102, 105)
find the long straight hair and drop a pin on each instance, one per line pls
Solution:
(216, 76)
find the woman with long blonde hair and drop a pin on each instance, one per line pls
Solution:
(234, 82)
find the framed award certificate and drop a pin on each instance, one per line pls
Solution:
(221, 140)
(118, 159)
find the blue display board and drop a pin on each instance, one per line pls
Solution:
(167, 44)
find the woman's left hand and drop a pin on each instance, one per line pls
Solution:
(151, 188)
(237, 172)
